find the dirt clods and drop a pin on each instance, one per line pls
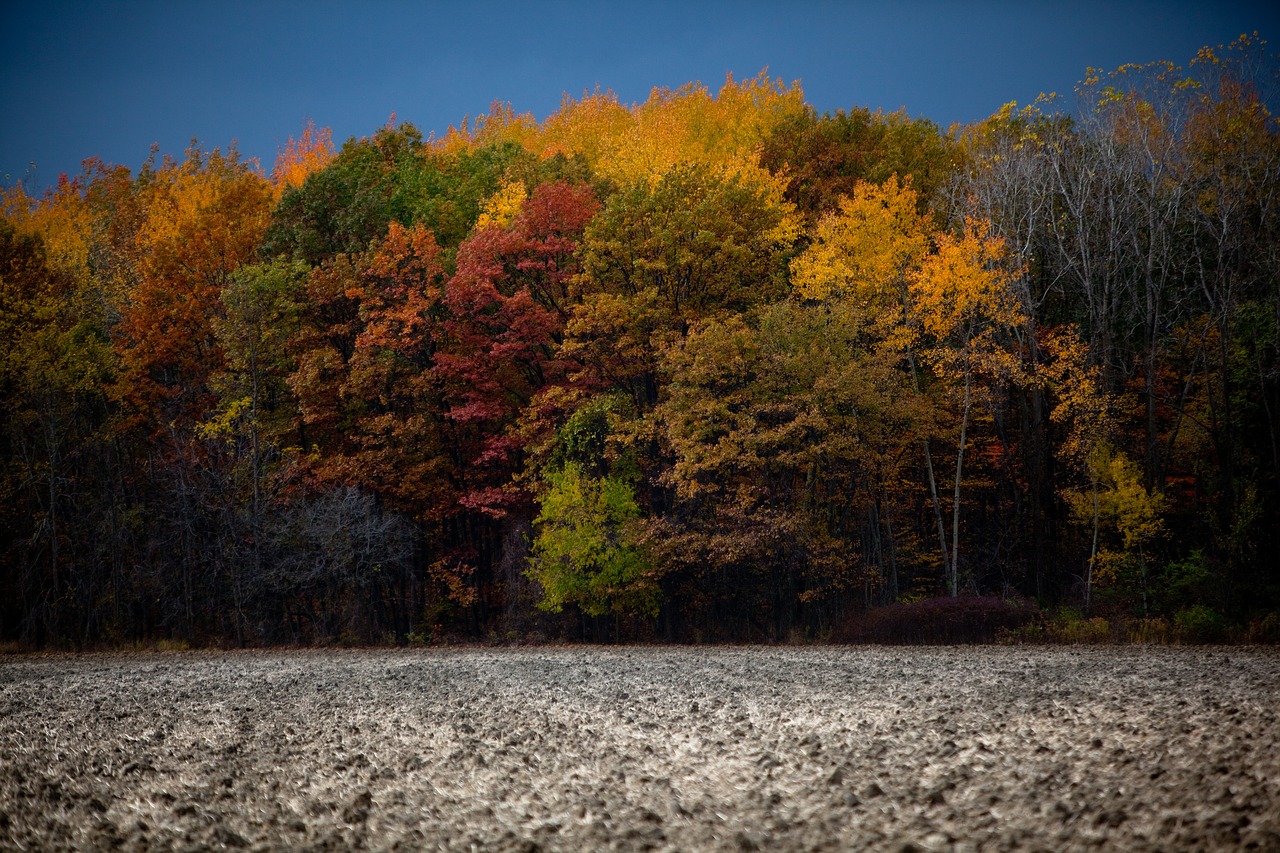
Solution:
(926, 749)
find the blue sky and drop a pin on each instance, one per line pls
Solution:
(111, 78)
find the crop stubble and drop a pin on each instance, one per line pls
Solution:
(777, 748)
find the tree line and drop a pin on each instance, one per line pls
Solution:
(709, 367)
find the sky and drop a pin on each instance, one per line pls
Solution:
(110, 79)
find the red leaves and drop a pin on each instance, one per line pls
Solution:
(502, 320)
(417, 377)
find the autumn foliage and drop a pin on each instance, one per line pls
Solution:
(712, 366)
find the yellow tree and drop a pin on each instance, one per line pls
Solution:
(1082, 408)
(965, 299)
(1131, 512)
(585, 127)
(64, 221)
(863, 258)
(690, 124)
(864, 254)
(498, 126)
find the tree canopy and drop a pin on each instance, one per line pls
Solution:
(710, 366)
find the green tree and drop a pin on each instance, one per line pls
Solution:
(54, 362)
(583, 553)
(256, 414)
(661, 255)
(392, 176)
(824, 157)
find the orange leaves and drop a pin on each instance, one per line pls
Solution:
(407, 257)
(199, 220)
(500, 125)
(402, 285)
(300, 157)
(963, 298)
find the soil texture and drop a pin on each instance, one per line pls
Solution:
(743, 748)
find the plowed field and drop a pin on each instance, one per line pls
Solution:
(644, 748)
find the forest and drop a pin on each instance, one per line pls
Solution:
(710, 367)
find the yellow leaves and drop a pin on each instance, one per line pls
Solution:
(874, 255)
(503, 206)
(966, 282)
(1110, 95)
(952, 293)
(864, 251)
(204, 215)
(501, 124)
(641, 142)
(63, 220)
(1081, 406)
(1206, 56)
(1129, 512)
(1136, 510)
(224, 421)
(964, 300)
(585, 127)
(682, 125)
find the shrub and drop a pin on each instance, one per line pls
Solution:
(969, 619)
(1153, 630)
(1264, 629)
(1095, 630)
(1199, 624)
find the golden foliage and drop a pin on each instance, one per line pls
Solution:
(62, 219)
(865, 250)
(964, 299)
(503, 206)
(301, 157)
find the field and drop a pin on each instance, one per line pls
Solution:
(983, 748)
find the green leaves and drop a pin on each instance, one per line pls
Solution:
(583, 553)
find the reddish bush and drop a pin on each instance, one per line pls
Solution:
(969, 619)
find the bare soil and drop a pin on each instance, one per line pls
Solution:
(980, 748)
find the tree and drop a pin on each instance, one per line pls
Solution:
(784, 429)
(342, 207)
(302, 157)
(964, 297)
(260, 314)
(675, 127)
(1084, 410)
(203, 218)
(863, 257)
(54, 361)
(824, 157)
(660, 256)
(582, 553)
(1129, 513)
(504, 312)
